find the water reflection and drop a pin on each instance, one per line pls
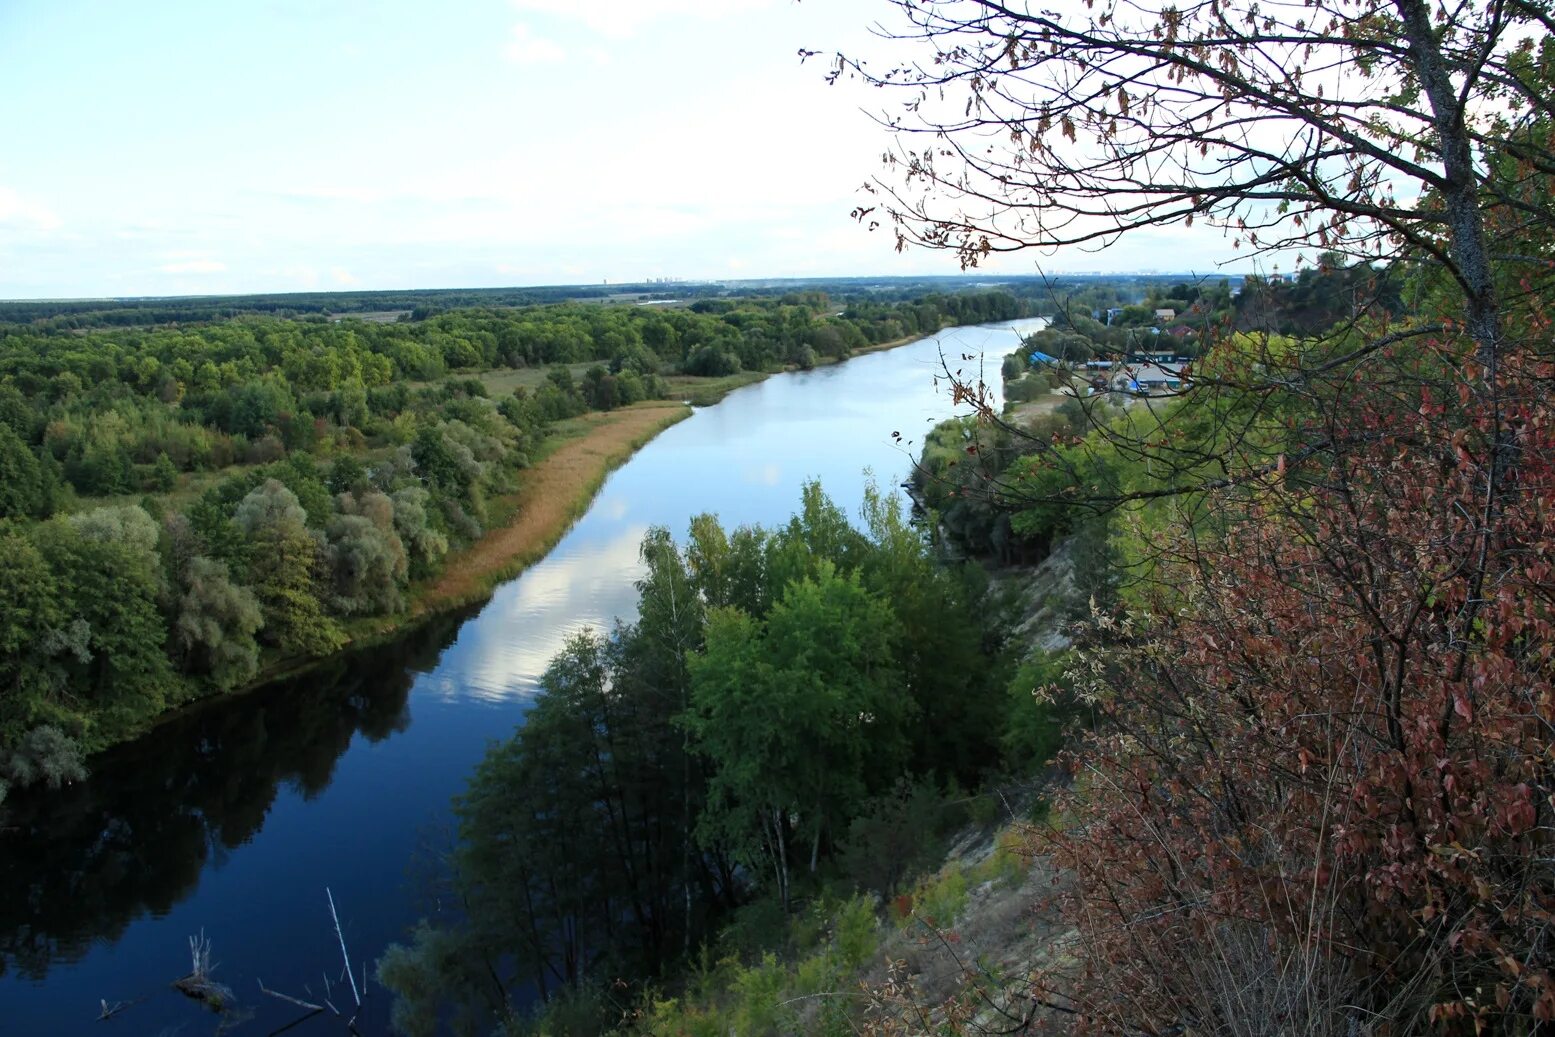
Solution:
(233, 818)
(81, 865)
(583, 583)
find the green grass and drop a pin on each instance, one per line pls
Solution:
(811, 988)
(704, 392)
(501, 381)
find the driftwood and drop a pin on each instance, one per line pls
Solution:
(112, 1009)
(312, 1008)
(198, 984)
(219, 998)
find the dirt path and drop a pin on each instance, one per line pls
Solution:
(555, 491)
(1024, 412)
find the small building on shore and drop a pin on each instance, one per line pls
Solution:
(1149, 378)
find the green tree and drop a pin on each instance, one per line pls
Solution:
(164, 474)
(283, 559)
(425, 544)
(21, 478)
(31, 611)
(45, 755)
(367, 564)
(110, 582)
(438, 462)
(800, 717)
(948, 652)
(216, 624)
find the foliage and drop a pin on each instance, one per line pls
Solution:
(937, 899)
(45, 755)
(366, 559)
(113, 582)
(1032, 731)
(806, 993)
(216, 624)
(21, 478)
(730, 739)
(1318, 795)
(798, 715)
(894, 835)
(285, 559)
(1363, 814)
(31, 615)
(314, 467)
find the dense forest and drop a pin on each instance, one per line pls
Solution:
(1220, 640)
(181, 506)
(767, 758)
(786, 710)
(417, 304)
(793, 720)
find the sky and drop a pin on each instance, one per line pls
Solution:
(175, 147)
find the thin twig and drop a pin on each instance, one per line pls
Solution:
(343, 953)
(299, 1002)
(109, 1011)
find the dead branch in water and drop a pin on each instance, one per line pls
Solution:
(357, 992)
(344, 954)
(111, 1010)
(198, 984)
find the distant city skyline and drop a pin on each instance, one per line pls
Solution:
(262, 146)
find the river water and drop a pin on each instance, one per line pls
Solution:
(232, 819)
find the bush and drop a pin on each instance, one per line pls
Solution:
(712, 362)
(893, 836)
(939, 898)
(759, 993)
(46, 755)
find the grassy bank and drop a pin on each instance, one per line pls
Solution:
(571, 466)
(704, 392)
(555, 491)
(573, 463)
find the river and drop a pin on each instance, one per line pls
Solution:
(233, 818)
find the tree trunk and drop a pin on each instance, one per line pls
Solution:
(1460, 186)
(782, 857)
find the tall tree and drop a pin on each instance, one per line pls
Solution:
(216, 624)
(1380, 129)
(110, 582)
(801, 716)
(284, 560)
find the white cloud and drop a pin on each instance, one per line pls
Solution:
(524, 47)
(342, 276)
(622, 18)
(17, 211)
(194, 266)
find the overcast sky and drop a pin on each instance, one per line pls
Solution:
(212, 146)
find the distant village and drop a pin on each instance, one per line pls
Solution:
(1103, 342)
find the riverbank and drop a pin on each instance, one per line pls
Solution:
(233, 813)
(704, 392)
(573, 462)
(557, 490)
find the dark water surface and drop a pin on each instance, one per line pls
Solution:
(232, 819)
